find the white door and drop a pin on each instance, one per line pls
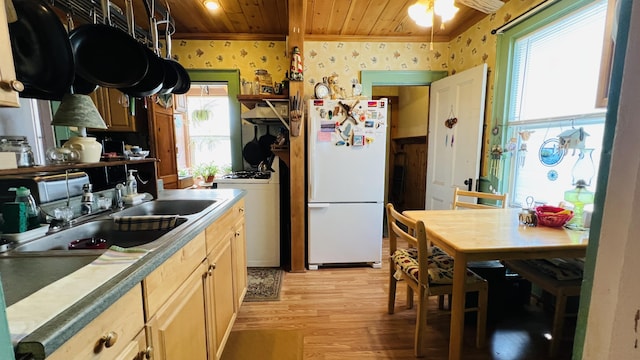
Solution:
(453, 153)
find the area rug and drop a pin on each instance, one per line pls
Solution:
(264, 344)
(263, 284)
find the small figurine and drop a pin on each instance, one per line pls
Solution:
(296, 71)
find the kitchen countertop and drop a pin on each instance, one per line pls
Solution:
(47, 318)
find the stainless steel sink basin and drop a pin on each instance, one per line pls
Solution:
(98, 229)
(167, 207)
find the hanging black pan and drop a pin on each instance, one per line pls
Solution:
(154, 78)
(106, 55)
(252, 150)
(42, 54)
(266, 141)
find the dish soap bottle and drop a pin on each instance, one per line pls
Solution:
(132, 184)
(23, 195)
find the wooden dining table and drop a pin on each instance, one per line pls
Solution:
(481, 234)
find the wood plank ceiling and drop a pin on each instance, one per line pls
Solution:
(326, 19)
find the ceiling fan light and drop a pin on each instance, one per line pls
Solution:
(445, 9)
(418, 11)
(211, 5)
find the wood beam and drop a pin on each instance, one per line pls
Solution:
(297, 157)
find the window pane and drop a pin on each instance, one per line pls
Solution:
(541, 169)
(556, 67)
(209, 126)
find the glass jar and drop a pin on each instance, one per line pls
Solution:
(22, 149)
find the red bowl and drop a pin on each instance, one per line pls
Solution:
(550, 216)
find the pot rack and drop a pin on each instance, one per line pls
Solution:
(83, 10)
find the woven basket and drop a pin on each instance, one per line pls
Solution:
(550, 216)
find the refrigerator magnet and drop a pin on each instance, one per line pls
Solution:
(358, 140)
(324, 136)
(368, 124)
(327, 126)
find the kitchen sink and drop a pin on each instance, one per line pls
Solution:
(167, 207)
(104, 232)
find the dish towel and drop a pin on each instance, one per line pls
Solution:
(147, 222)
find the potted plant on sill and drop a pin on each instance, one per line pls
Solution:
(206, 171)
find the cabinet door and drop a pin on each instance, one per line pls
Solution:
(136, 349)
(162, 130)
(240, 261)
(178, 329)
(8, 96)
(113, 106)
(107, 336)
(120, 114)
(220, 296)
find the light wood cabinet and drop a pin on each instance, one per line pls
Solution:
(110, 335)
(184, 309)
(239, 250)
(178, 329)
(137, 349)
(8, 82)
(163, 140)
(226, 281)
(221, 309)
(115, 109)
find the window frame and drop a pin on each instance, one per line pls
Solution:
(505, 52)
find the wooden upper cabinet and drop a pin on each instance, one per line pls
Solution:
(606, 62)
(114, 107)
(8, 82)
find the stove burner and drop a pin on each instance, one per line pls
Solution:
(252, 174)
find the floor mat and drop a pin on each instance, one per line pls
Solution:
(264, 344)
(263, 284)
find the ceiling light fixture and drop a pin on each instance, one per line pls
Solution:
(423, 12)
(211, 5)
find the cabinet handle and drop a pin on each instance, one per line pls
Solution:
(15, 85)
(241, 210)
(211, 268)
(237, 233)
(147, 352)
(110, 339)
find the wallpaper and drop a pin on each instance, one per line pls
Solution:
(246, 56)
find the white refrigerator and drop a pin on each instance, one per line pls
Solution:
(346, 171)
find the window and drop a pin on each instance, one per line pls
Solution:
(552, 61)
(205, 129)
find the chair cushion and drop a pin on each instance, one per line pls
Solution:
(440, 266)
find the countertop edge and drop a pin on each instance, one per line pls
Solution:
(54, 333)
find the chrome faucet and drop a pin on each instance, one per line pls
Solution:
(118, 199)
(86, 204)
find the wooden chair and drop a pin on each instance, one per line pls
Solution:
(476, 195)
(561, 289)
(428, 271)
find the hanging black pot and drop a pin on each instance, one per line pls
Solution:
(108, 56)
(42, 54)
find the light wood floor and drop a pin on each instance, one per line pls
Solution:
(343, 315)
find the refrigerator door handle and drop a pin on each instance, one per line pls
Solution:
(318, 205)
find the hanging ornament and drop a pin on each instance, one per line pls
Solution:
(452, 120)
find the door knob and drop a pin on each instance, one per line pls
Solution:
(469, 183)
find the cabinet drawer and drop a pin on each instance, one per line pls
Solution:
(166, 279)
(123, 319)
(217, 231)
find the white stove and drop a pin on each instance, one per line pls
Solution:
(262, 213)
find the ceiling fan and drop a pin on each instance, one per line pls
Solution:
(486, 6)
